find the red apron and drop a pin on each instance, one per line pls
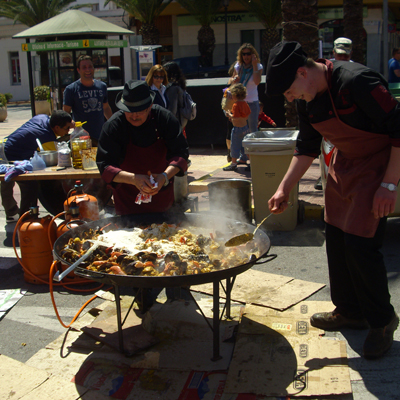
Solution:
(356, 171)
(139, 160)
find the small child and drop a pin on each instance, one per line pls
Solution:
(263, 117)
(238, 115)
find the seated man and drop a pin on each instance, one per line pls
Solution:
(21, 145)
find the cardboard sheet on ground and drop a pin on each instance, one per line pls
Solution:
(8, 299)
(119, 381)
(280, 354)
(269, 290)
(17, 379)
(105, 330)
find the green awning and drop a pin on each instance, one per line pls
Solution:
(72, 23)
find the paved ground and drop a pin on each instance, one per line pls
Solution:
(31, 324)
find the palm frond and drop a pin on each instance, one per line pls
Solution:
(203, 11)
(145, 11)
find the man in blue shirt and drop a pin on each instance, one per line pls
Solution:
(87, 99)
(21, 145)
(394, 66)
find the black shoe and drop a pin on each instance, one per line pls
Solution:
(232, 167)
(228, 156)
(379, 340)
(318, 184)
(333, 321)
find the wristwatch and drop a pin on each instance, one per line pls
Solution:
(389, 186)
(166, 178)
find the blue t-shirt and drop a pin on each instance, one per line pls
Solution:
(393, 64)
(87, 105)
(21, 144)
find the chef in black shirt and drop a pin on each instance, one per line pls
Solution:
(350, 105)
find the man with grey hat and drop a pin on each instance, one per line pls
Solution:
(141, 142)
(350, 105)
(342, 49)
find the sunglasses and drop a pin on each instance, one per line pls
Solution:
(158, 76)
(246, 54)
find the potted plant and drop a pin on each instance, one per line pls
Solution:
(4, 98)
(42, 100)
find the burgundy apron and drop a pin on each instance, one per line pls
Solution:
(140, 160)
(356, 171)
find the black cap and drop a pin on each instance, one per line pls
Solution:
(284, 60)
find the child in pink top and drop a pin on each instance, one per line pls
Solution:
(238, 115)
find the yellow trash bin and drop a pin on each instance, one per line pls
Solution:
(270, 152)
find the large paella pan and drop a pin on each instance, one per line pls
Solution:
(200, 225)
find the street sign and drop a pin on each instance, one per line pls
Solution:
(74, 44)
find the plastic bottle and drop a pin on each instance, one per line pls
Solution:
(37, 162)
(79, 141)
(78, 130)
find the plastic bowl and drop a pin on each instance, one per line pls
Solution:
(50, 157)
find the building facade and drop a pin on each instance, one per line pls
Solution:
(178, 38)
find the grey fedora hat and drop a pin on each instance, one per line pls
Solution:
(136, 96)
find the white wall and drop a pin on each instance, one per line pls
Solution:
(20, 91)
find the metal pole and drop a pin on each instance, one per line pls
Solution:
(121, 55)
(226, 35)
(30, 78)
(385, 39)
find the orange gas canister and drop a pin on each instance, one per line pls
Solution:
(73, 221)
(36, 252)
(88, 206)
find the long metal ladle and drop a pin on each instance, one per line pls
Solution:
(58, 277)
(246, 237)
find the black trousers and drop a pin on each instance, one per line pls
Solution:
(357, 274)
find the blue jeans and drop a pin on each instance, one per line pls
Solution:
(237, 135)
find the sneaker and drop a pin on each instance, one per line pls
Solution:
(333, 321)
(379, 340)
(231, 167)
(318, 184)
(13, 218)
(228, 156)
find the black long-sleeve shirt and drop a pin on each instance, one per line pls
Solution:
(117, 132)
(362, 100)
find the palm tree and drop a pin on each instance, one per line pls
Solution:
(146, 11)
(300, 24)
(204, 12)
(270, 15)
(33, 12)
(353, 27)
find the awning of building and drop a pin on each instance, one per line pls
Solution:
(73, 22)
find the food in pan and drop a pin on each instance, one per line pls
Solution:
(158, 250)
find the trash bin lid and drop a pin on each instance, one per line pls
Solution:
(270, 140)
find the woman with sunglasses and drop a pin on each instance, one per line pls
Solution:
(248, 71)
(157, 79)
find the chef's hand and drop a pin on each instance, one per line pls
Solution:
(142, 182)
(148, 187)
(384, 202)
(278, 203)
